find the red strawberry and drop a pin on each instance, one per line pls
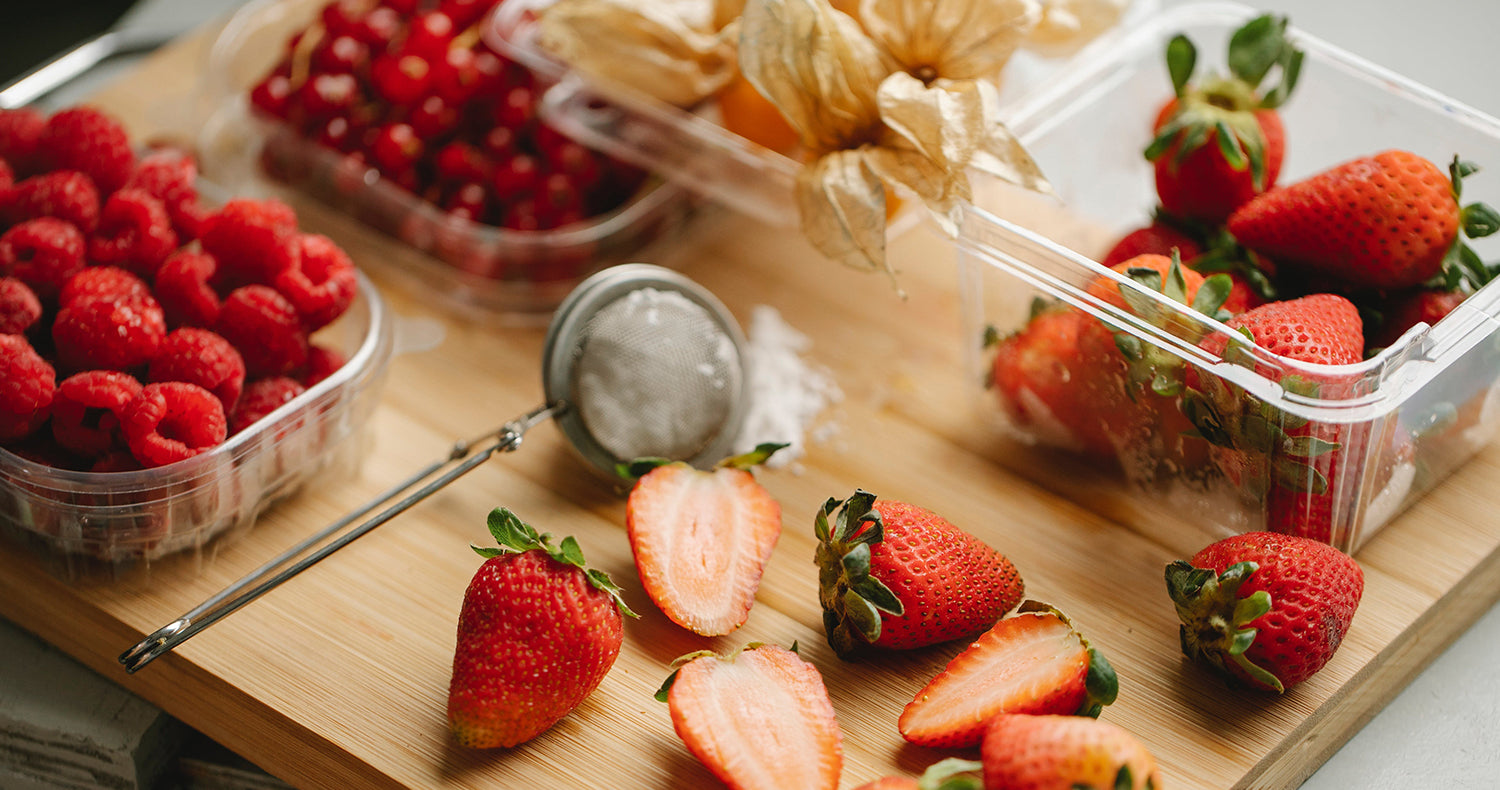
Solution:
(1386, 221)
(950, 774)
(1265, 609)
(1032, 662)
(1158, 238)
(760, 719)
(1160, 273)
(1298, 468)
(1220, 142)
(702, 539)
(1064, 753)
(896, 576)
(1406, 310)
(1062, 379)
(538, 632)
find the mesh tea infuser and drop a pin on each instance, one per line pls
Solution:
(638, 361)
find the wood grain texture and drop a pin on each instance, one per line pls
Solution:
(339, 678)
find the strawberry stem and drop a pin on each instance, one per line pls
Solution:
(853, 601)
(1216, 621)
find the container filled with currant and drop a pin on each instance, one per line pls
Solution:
(171, 365)
(1267, 307)
(398, 115)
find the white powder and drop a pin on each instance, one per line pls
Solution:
(786, 393)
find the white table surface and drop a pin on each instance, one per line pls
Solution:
(1442, 731)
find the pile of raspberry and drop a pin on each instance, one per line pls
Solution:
(137, 327)
(408, 88)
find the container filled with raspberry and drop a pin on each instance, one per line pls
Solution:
(169, 367)
(398, 115)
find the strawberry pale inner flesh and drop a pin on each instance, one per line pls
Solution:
(1021, 666)
(762, 720)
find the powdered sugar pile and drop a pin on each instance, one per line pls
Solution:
(786, 393)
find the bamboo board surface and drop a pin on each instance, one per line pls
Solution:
(338, 679)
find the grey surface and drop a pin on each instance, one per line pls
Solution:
(1443, 731)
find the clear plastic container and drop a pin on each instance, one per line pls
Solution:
(691, 148)
(92, 526)
(479, 269)
(1400, 421)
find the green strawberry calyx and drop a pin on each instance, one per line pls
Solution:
(688, 658)
(953, 773)
(515, 536)
(1101, 684)
(1224, 106)
(1216, 622)
(854, 602)
(1462, 267)
(1151, 366)
(633, 470)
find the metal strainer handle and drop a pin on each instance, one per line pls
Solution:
(460, 459)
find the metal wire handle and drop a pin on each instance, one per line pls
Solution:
(270, 575)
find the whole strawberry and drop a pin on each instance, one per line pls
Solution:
(1387, 221)
(538, 632)
(896, 576)
(1219, 141)
(1267, 610)
(1297, 467)
(1022, 752)
(702, 538)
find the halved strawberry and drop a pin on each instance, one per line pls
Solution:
(1065, 753)
(760, 719)
(1031, 662)
(701, 539)
(954, 773)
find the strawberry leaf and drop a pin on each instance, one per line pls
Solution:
(1101, 685)
(880, 596)
(754, 458)
(666, 687)
(863, 615)
(952, 773)
(1308, 446)
(1211, 294)
(1291, 69)
(1164, 139)
(1256, 47)
(1229, 146)
(513, 534)
(856, 563)
(1123, 779)
(632, 471)
(1479, 220)
(1182, 58)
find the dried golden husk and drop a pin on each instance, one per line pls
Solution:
(1067, 25)
(873, 118)
(677, 51)
(951, 39)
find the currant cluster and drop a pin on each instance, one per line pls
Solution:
(138, 327)
(409, 88)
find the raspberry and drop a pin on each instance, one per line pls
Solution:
(86, 411)
(116, 461)
(108, 334)
(19, 130)
(262, 397)
(102, 281)
(172, 421)
(44, 253)
(19, 307)
(323, 282)
(134, 233)
(266, 329)
(65, 194)
(198, 356)
(184, 293)
(322, 362)
(7, 180)
(171, 177)
(253, 241)
(85, 139)
(27, 386)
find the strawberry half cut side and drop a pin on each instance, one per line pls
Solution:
(1032, 662)
(701, 539)
(759, 719)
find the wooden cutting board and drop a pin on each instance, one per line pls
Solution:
(338, 679)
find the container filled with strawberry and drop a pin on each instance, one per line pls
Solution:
(395, 113)
(1263, 300)
(169, 366)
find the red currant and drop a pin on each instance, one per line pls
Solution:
(341, 55)
(517, 177)
(400, 79)
(327, 95)
(396, 148)
(273, 95)
(460, 162)
(433, 117)
(429, 35)
(379, 27)
(517, 108)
